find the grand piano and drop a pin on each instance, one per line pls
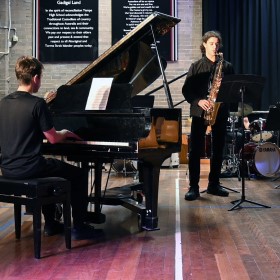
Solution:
(148, 135)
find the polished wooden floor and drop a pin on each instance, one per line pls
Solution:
(201, 239)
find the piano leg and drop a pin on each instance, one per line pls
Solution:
(97, 217)
(149, 174)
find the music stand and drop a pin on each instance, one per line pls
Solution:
(247, 89)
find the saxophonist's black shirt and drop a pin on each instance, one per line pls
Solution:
(196, 85)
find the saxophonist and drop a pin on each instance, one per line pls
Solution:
(200, 80)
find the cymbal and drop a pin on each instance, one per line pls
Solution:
(247, 110)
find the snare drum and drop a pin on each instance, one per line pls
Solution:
(264, 159)
(259, 132)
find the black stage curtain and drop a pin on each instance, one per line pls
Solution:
(251, 37)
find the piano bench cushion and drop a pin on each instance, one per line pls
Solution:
(169, 132)
(150, 142)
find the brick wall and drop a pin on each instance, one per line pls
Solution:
(189, 35)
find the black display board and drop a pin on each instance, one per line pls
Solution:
(127, 14)
(65, 31)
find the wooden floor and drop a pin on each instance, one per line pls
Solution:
(201, 239)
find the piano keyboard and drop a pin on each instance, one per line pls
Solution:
(103, 143)
(94, 143)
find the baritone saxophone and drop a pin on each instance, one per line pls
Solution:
(211, 114)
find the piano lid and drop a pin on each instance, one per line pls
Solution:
(131, 60)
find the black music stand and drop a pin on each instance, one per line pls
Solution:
(247, 89)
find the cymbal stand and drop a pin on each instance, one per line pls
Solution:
(232, 161)
(238, 202)
(260, 122)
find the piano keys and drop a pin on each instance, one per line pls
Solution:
(149, 135)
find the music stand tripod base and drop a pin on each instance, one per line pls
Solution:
(238, 202)
(229, 189)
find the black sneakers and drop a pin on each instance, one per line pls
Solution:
(86, 231)
(192, 194)
(53, 228)
(82, 232)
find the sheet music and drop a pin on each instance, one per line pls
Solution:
(99, 93)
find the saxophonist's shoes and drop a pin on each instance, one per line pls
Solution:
(192, 194)
(217, 190)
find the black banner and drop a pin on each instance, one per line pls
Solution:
(66, 31)
(127, 14)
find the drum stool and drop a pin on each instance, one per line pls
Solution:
(34, 193)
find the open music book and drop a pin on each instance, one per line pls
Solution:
(99, 93)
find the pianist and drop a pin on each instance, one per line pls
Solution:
(24, 121)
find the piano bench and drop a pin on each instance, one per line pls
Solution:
(34, 193)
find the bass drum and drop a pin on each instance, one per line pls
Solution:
(124, 166)
(263, 159)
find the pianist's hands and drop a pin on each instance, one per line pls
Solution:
(69, 135)
(54, 136)
(50, 96)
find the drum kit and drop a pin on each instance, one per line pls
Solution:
(125, 167)
(230, 165)
(261, 157)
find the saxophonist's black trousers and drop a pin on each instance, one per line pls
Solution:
(197, 143)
